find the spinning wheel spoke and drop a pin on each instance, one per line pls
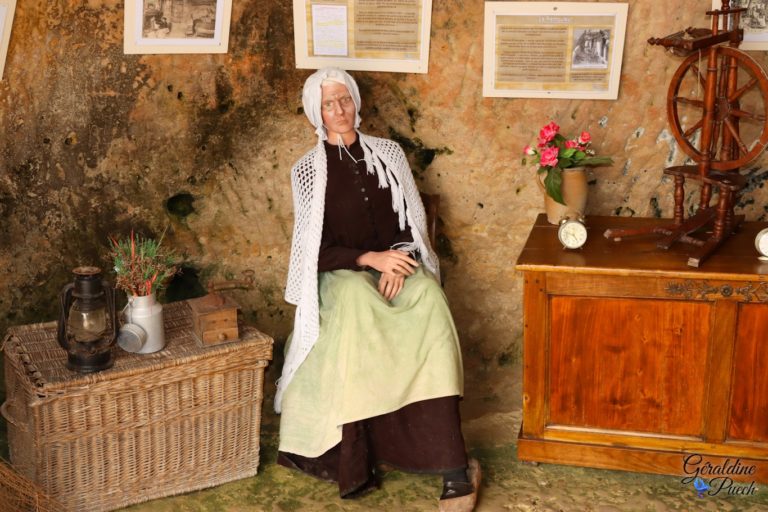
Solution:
(713, 147)
(742, 114)
(722, 79)
(690, 131)
(690, 101)
(740, 92)
(735, 135)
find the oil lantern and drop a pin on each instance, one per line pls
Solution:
(88, 321)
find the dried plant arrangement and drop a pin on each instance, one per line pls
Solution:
(141, 265)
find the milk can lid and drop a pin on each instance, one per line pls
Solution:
(131, 337)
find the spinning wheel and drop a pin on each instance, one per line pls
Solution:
(717, 108)
(740, 108)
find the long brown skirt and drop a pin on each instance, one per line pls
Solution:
(422, 437)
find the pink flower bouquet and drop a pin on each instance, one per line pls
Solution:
(553, 153)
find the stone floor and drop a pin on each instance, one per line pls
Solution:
(491, 416)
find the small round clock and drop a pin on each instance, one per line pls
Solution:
(572, 233)
(761, 244)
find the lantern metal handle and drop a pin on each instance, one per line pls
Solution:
(66, 300)
(109, 293)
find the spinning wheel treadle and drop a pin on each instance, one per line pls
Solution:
(717, 108)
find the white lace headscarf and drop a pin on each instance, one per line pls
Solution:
(312, 97)
(308, 180)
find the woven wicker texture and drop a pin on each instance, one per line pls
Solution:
(19, 494)
(181, 419)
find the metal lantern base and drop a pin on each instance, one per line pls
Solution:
(90, 363)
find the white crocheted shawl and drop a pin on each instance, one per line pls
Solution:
(308, 179)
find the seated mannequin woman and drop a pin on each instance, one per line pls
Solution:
(373, 370)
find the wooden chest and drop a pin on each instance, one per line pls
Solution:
(634, 360)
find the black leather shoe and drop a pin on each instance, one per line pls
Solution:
(462, 496)
(456, 490)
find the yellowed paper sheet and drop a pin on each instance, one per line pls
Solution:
(329, 29)
(390, 28)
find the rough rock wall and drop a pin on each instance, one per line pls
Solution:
(95, 142)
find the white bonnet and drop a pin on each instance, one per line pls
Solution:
(312, 95)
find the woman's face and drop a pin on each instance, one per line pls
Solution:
(338, 110)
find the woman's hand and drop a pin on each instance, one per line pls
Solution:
(390, 285)
(389, 262)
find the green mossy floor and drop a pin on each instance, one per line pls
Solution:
(491, 416)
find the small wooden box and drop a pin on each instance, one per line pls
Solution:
(214, 319)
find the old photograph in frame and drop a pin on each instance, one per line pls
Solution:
(177, 26)
(553, 49)
(754, 22)
(7, 10)
(363, 35)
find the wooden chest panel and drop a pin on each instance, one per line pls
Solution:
(749, 399)
(626, 364)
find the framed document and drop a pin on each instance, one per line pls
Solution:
(365, 35)
(754, 22)
(553, 49)
(7, 9)
(177, 26)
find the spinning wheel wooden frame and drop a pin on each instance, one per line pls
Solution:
(728, 129)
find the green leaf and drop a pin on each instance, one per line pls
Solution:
(568, 153)
(597, 160)
(552, 184)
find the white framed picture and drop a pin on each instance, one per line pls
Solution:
(7, 10)
(177, 26)
(553, 49)
(754, 21)
(363, 35)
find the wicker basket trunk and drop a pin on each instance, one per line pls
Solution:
(154, 425)
(19, 494)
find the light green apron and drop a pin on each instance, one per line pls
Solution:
(372, 357)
